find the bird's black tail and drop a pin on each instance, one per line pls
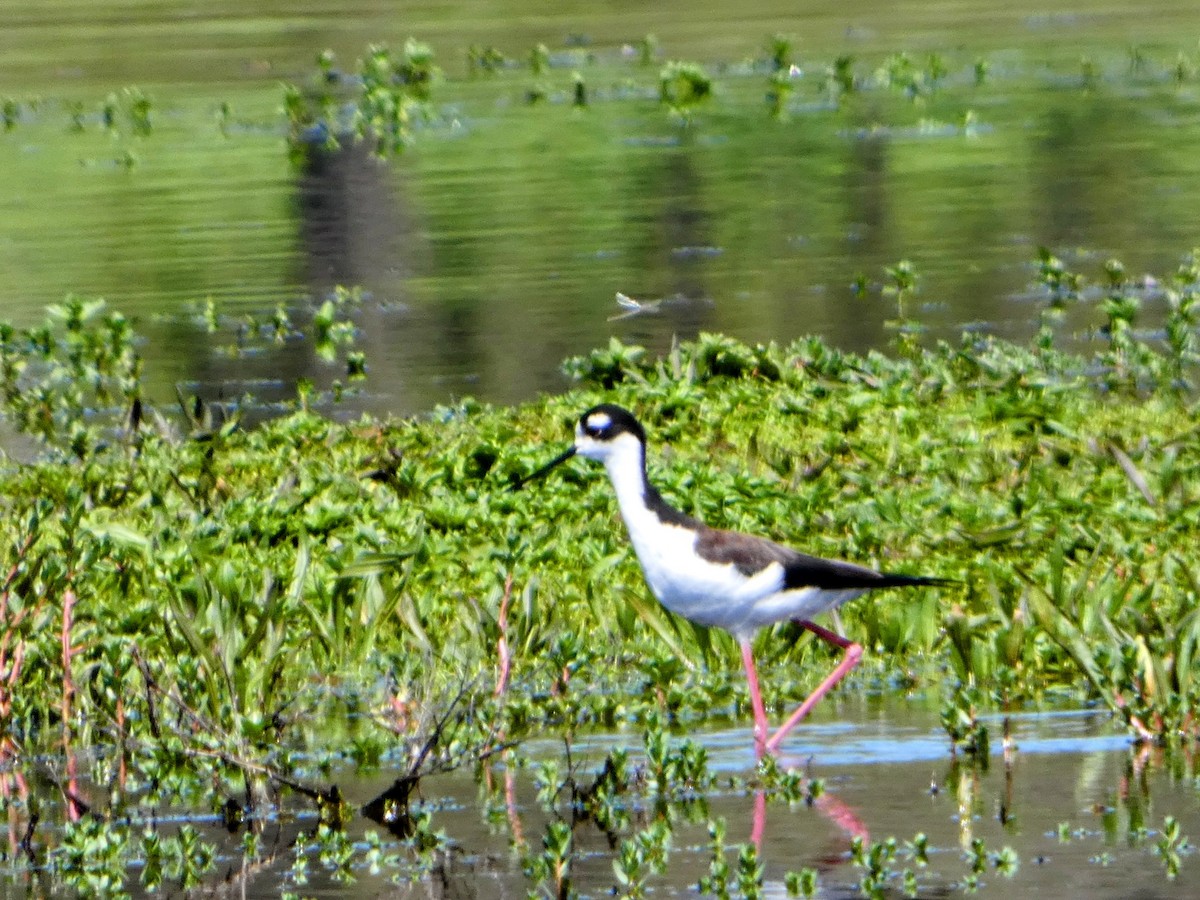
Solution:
(888, 580)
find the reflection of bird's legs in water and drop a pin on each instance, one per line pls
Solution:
(15, 793)
(510, 804)
(760, 819)
(510, 797)
(843, 816)
(835, 810)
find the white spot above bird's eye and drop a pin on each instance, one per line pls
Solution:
(598, 421)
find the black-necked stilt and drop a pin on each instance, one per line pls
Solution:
(736, 581)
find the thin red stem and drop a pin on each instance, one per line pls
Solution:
(68, 694)
(503, 657)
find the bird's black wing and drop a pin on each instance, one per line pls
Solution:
(751, 555)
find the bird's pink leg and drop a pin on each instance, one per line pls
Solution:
(756, 701)
(849, 661)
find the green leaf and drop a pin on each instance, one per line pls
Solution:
(213, 669)
(118, 534)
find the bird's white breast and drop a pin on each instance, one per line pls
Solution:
(684, 582)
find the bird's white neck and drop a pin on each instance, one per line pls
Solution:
(626, 465)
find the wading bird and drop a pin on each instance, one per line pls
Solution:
(735, 581)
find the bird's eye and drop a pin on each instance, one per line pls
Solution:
(597, 426)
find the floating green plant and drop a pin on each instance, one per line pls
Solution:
(1170, 844)
(488, 60)
(982, 69)
(392, 86)
(683, 87)
(840, 77)
(780, 50)
(10, 113)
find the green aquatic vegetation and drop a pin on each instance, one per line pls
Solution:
(918, 849)
(779, 93)
(1120, 308)
(804, 883)
(224, 117)
(539, 60)
(1133, 634)
(676, 770)
(539, 67)
(780, 52)
(77, 114)
(647, 50)
(936, 70)
(1170, 844)
(902, 285)
(108, 112)
(335, 852)
(604, 800)
(878, 861)
(787, 785)
(137, 108)
(91, 857)
(246, 601)
(899, 72)
(1184, 70)
(1183, 312)
(982, 69)
(683, 87)
(10, 113)
(782, 67)
(639, 857)
(53, 376)
(1063, 284)
(550, 869)
(1138, 62)
(332, 327)
(839, 79)
(749, 877)
(130, 108)
(1089, 72)
(488, 60)
(960, 719)
(1005, 861)
(391, 88)
(875, 859)
(716, 881)
(415, 67)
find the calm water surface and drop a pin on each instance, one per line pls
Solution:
(496, 245)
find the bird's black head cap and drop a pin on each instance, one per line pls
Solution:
(608, 421)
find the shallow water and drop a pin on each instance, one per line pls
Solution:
(1077, 804)
(496, 245)
(880, 768)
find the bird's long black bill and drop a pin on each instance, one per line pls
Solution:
(558, 460)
